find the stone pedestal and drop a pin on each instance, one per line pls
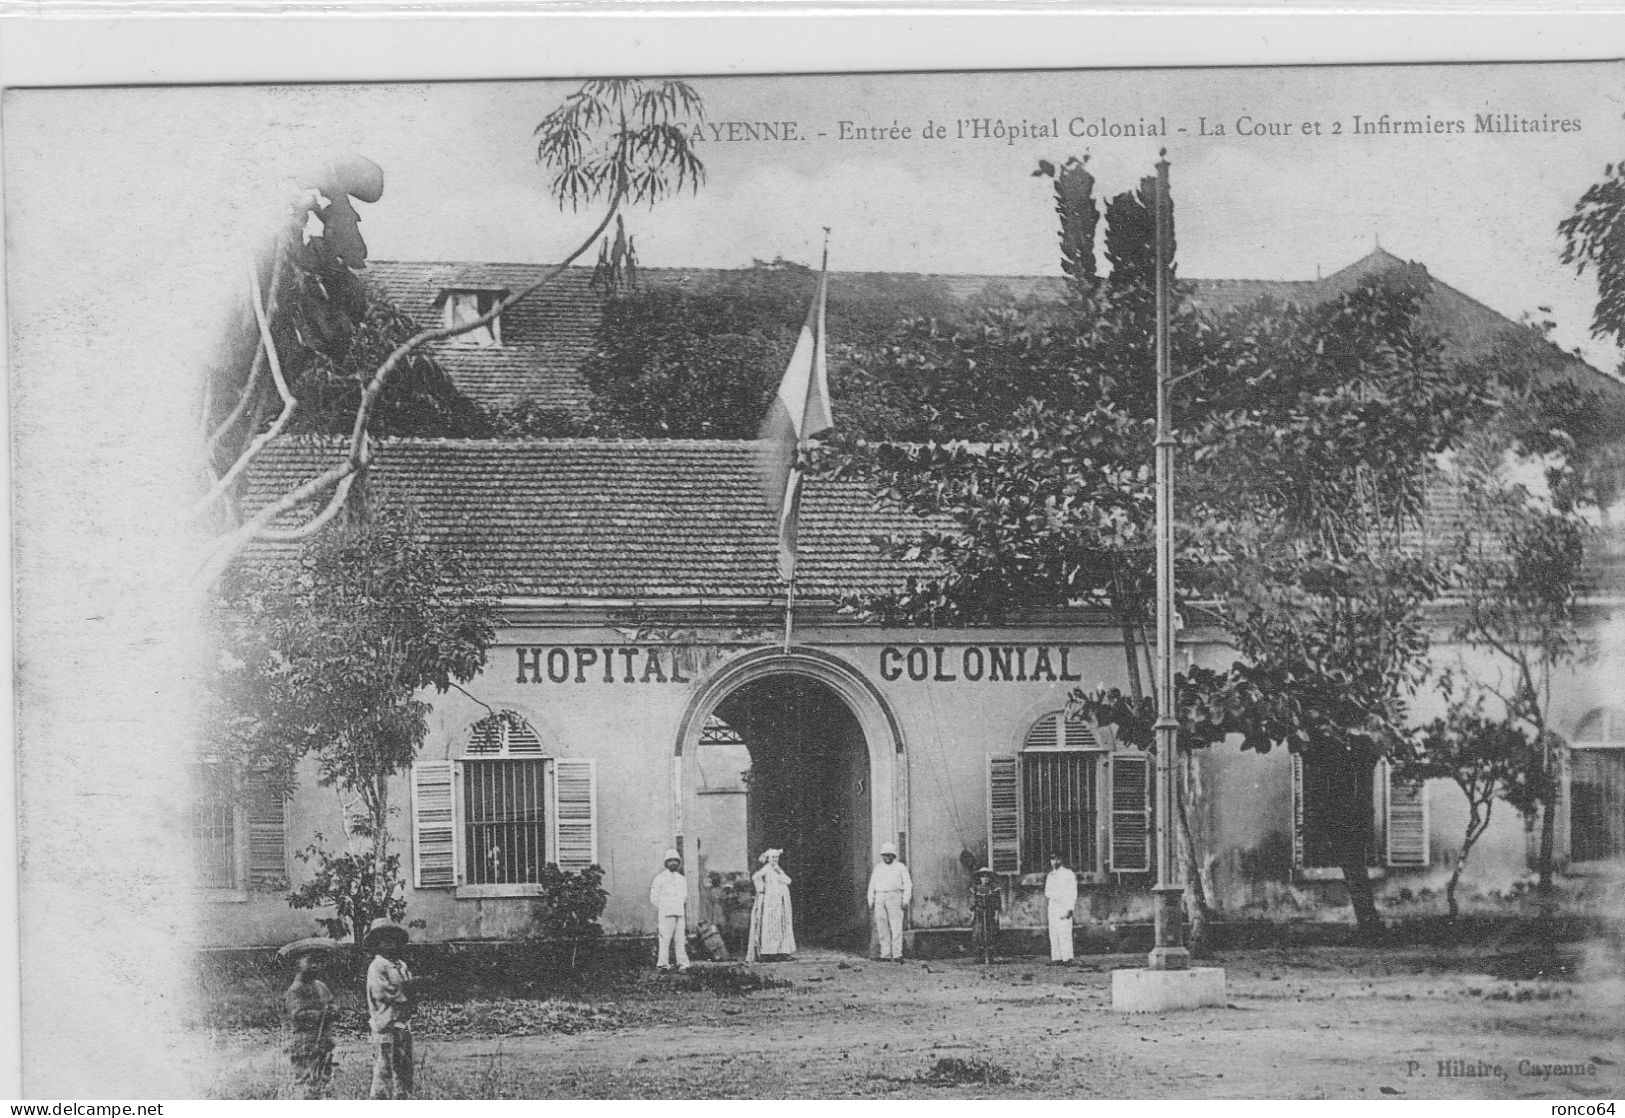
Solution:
(1142, 990)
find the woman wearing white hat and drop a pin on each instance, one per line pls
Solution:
(669, 894)
(771, 931)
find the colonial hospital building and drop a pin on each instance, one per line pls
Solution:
(641, 696)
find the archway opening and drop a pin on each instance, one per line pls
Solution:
(806, 791)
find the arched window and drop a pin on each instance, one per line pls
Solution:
(490, 821)
(1597, 787)
(1065, 793)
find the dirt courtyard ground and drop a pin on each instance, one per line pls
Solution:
(1306, 1023)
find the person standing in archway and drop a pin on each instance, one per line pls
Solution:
(772, 935)
(1061, 895)
(890, 888)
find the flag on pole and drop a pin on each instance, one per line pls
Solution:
(799, 412)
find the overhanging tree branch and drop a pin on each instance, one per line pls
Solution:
(643, 158)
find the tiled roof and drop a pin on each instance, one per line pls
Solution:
(547, 336)
(635, 519)
(1469, 328)
(544, 338)
(652, 519)
(1445, 520)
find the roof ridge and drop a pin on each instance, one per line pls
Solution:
(422, 440)
(695, 269)
(698, 268)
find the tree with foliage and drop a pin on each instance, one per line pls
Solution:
(1311, 428)
(1489, 759)
(669, 364)
(612, 143)
(531, 419)
(1516, 571)
(1556, 412)
(702, 359)
(1594, 237)
(1307, 493)
(329, 656)
(1051, 500)
(1212, 708)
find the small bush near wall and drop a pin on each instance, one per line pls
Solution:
(566, 913)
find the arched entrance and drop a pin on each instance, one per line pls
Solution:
(794, 751)
(807, 793)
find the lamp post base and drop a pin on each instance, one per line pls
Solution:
(1168, 958)
(1142, 990)
(1169, 952)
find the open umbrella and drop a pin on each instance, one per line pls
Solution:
(306, 946)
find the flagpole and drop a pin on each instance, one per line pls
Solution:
(795, 469)
(789, 611)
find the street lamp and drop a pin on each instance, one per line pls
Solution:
(1168, 981)
(1169, 952)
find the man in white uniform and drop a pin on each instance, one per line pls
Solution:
(1061, 891)
(669, 895)
(890, 888)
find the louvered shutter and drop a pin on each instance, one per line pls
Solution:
(434, 833)
(522, 739)
(575, 814)
(1131, 813)
(1003, 815)
(1407, 822)
(1047, 733)
(1563, 811)
(267, 836)
(1297, 812)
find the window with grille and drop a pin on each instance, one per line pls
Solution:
(504, 821)
(504, 803)
(1597, 788)
(497, 817)
(238, 830)
(1066, 793)
(1059, 810)
(214, 828)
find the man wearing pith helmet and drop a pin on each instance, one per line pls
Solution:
(669, 895)
(890, 888)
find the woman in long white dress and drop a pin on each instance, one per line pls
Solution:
(771, 931)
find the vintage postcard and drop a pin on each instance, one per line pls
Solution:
(826, 586)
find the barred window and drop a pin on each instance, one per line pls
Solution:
(1059, 810)
(1060, 795)
(214, 828)
(504, 821)
(1597, 788)
(494, 819)
(238, 830)
(1065, 793)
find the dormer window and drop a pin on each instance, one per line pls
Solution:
(462, 305)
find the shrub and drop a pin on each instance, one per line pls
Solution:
(569, 906)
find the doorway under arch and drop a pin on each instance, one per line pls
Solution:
(793, 749)
(806, 791)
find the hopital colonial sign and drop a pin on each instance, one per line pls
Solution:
(938, 663)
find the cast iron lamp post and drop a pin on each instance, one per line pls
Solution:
(1169, 952)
